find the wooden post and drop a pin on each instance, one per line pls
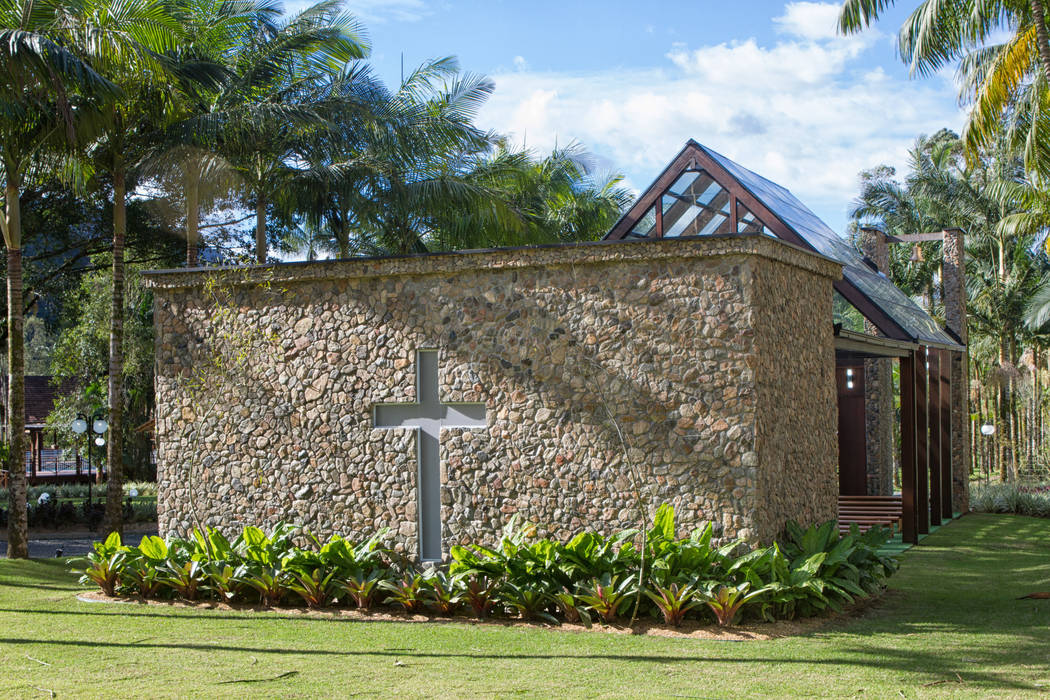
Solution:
(922, 444)
(947, 437)
(32, 454)
(953, 274)
(909, 532)
(934, 416)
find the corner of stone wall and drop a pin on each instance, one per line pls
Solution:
(796, 441)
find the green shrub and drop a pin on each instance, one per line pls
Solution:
(1022, 499)
(147, 490)
(806, 572)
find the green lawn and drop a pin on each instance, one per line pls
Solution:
(952, 609)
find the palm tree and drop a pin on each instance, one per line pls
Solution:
(1007, 78)
(559, 199)
(411, 165)
(984, 198)
(328, 178)
(211, 34)
(408, 172)
(124, 41)
(277, 90)
(41, 81)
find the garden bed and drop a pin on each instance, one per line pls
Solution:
(592, 578)
(690, 628)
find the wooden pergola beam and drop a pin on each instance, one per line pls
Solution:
(916, 237)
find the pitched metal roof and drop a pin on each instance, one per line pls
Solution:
(704, 192)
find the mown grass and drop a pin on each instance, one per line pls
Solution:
(951, 625)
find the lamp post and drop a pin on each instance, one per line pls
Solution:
(98, 426)
(988, 430)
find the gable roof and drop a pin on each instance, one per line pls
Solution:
(728, 198)
(40, 396)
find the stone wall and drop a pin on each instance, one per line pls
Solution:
(797, 428)
(697, 372)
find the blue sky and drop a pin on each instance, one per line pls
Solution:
(768, 83)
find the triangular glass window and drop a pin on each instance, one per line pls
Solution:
(646, 226)
(695, 205)
(746, 222)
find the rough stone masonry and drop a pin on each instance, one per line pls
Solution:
(605, 376)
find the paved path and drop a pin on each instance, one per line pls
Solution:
(44, 546)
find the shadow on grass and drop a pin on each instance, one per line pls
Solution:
(8, 584)
(926, 664)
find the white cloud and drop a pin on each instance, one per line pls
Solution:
(805, 112)
(809, 20)
(520, 63)
(786, 64)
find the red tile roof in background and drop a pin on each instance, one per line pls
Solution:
(40, 397)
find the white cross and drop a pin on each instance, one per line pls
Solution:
(428, 416)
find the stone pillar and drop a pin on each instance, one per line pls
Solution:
(953, 277)
(878, 386)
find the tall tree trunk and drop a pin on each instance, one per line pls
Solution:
(192, 187)
(17, 520)
(1037, 406)
(115, 488)
(1042, 37)
(260, 229)
(1004, 434)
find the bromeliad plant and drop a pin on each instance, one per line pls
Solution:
(806, 572)
(674, 601)
(315, 588)
(362, 587)
(726, 601)
(480, 593)
(269, 583)
(105, 565)
(609, 596)
(530, 602)
(570, 608)
(185, 579)
(406, 592)
(442, 592)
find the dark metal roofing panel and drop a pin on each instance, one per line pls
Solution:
(882, 292)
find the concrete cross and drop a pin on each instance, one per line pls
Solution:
(428, 416)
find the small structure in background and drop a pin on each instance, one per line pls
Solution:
(46, 461)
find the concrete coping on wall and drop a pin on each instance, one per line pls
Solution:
(557, 255)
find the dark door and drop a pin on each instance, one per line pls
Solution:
(853, 452)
